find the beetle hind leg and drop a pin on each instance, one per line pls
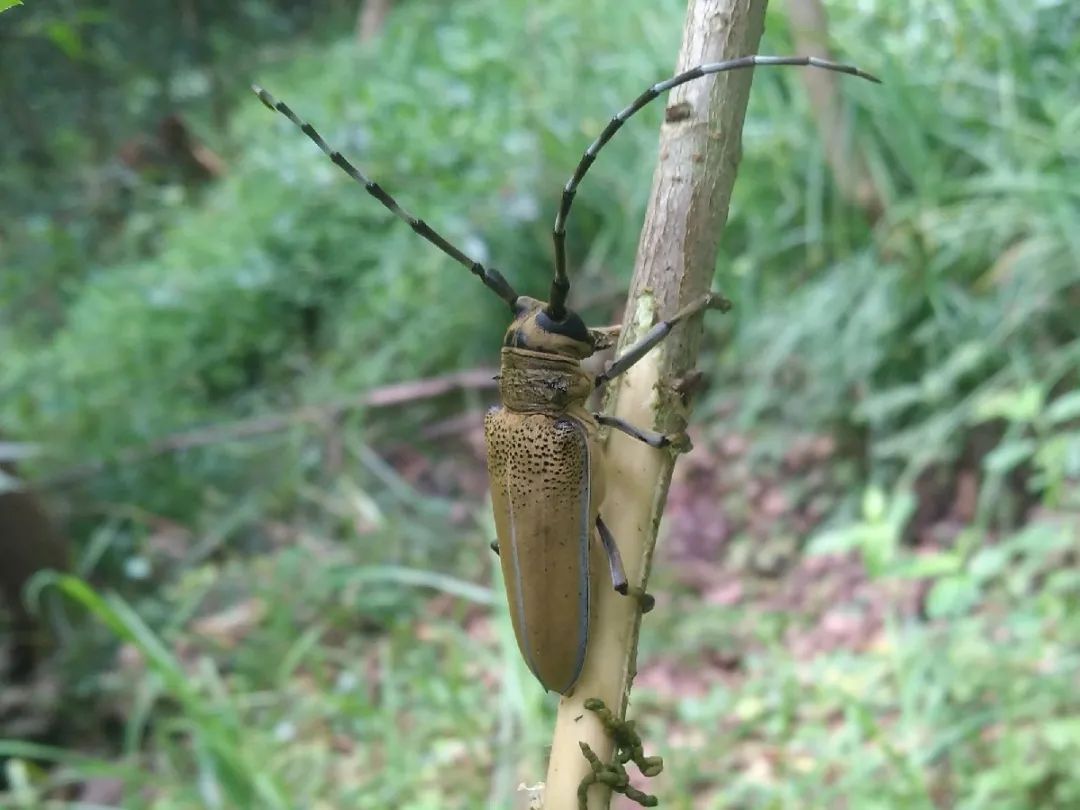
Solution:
(678, 442)
(618, 574)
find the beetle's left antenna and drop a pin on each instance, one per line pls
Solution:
(560, 285)
(491, 277)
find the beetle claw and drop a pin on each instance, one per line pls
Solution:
(680, 442)
(645, 600)
(718, 301)
(605, 337)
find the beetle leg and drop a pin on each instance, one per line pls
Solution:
(618, 575)
(494, 546)
(680, 441)
(605, 337)
(639, 349)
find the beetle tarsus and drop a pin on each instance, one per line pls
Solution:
(605, 337)
(680, 442)
(645, 599)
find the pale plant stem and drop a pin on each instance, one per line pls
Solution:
(676, 258)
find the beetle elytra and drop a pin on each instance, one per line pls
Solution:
(544, 458)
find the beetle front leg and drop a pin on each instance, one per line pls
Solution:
(605, 337)
(677, 441)
(618, 574)
(651, 338)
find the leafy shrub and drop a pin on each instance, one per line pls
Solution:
(288, 285)
(968, 284)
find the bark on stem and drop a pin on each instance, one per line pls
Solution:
(700, 147)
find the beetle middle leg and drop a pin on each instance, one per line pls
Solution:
(618, 574)
(679, 441)
(655, 335)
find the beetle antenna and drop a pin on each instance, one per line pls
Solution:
(560, 285)
(491, 277)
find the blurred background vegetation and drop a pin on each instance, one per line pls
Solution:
(868, 590)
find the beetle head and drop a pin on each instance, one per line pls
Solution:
(534, 329)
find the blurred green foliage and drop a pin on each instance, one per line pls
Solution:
(268, 293)
(86, 89)
(135, 306)
(969, 284)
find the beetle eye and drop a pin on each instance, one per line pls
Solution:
(571, 326)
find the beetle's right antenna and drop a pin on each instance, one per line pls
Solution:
(560, 285)
(491, 277)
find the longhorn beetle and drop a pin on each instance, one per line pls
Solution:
(544, 457)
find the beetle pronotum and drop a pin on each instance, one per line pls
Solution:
(544, 459)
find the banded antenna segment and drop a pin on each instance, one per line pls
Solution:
(560, 284)
(491, 277)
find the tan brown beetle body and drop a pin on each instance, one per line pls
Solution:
(546, 471)
(547, 484)
(544, 460)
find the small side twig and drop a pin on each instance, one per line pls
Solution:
(239, 430)
(810, 29)
(370, 20)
